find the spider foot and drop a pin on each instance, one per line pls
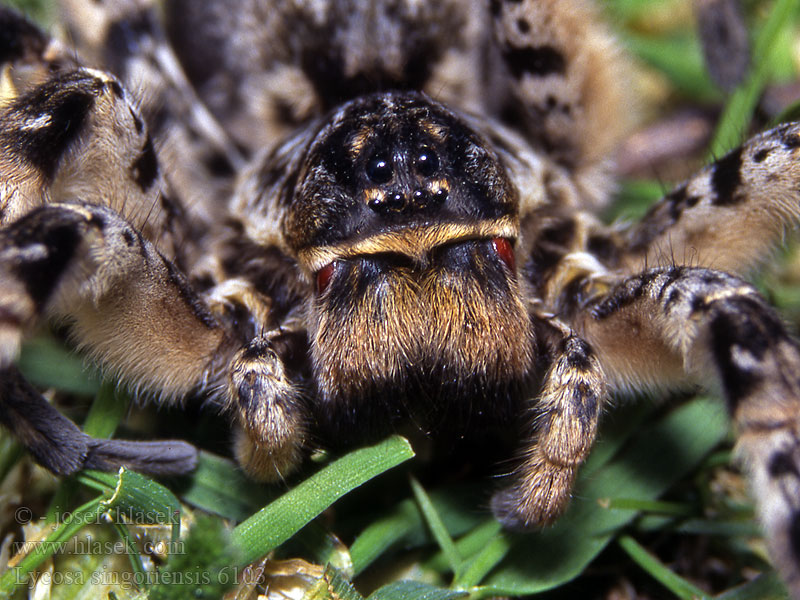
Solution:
(535, 501)
(270, 442)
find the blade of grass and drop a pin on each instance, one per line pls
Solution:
(468, 545)
(657, 507)
(436, 526)
(47, 363)
(656, 457)
(320, 546)
(404, 524)
(384, 533)
(482, 563)
(414, 590)
(107, 411)
(677, 585)
(133, 553)
(279, 520)
(105, 414)
(218, 486)
(134, 497)
(18, 575)
(679, 58)
(767, 586)
(738, 111)
(333, 586)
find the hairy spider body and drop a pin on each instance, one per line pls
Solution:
(366, 217)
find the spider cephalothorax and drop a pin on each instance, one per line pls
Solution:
(407, 221)
(341, 218)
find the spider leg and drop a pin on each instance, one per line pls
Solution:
(561, 434)
(57, 444)
(265, 396)
(561, 83)
(731, 214)
(125, 303)
(127, 38)
(687, 320)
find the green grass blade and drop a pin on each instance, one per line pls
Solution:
(764, 587)
(738, 112)
(18, 575)
(469, 544)
(671, 509)
(405, 525)
(218, 486)
(136, 498)
(483, 562)
(132, 552)
(679, 58)
(315, 543)
(332, 586)
(107, 411)
(393, 527)
(436, 526)
(654, 459)
(278, 521)
(414, 590)
(47, 363)
(677, 585)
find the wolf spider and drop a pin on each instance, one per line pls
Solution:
(343, 218)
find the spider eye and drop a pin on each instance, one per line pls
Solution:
(379, 169)
(324, 277)
(504, 250)
(427, 162)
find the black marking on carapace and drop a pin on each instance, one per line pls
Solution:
(66, 101)
(539, 61)
(726, 177)
(145, 168)
(523, 26)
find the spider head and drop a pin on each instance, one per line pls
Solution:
(397, 172)
(408, 221)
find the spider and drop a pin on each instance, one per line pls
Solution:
(339, 219)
